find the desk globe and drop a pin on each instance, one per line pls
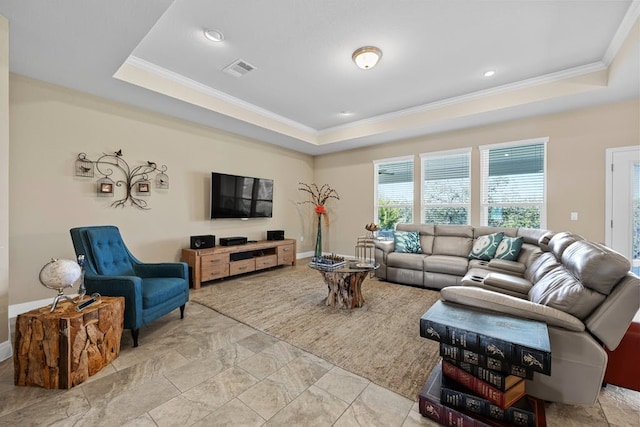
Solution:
(59, 274)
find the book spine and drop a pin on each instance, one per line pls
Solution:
(494, 348)
(445, 415)
(466, 356)
(494, 378)
(470, 403)
(492, 394)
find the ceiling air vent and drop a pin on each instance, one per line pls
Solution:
(238, 68)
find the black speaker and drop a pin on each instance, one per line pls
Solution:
(275, 235)
(203, 242)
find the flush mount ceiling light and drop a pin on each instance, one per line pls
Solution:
(213, 35)
(489, 73)
(366, 57)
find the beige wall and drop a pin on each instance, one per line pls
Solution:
(50, 125)
(4, 180)
(575, 163)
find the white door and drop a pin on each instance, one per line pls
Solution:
(623, 202)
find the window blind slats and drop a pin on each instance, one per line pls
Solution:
(446, 188)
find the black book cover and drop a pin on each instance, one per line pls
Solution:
(461, 355)
(499, 337)
(500, 380)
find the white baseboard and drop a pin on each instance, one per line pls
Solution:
(16, 309)
(5, 350)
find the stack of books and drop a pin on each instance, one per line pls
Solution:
(486, 358)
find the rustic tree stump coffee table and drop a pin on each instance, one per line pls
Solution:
(345, 283)
(61, 349)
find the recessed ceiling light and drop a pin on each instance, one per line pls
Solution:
(489, 73)
(345, 113)
(213, 35)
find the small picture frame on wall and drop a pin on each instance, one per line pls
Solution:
(143, 187)
(106, 188)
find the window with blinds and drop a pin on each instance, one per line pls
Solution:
(393, 192)
(446, 187)
(513, 186)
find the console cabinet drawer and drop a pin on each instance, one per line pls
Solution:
(285, 254)
(213, 260)
(214, 272)
(243, 266)
(266, 261)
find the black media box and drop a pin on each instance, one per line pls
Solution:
(203, 242)
(233, 241)
(275, 235)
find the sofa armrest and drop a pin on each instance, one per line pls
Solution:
(611, 319)
(386, 246)
(494, 301)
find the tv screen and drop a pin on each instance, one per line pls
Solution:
(234, 196)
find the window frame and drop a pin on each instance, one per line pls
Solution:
(445, 153)
(376, 168)
(484, 179)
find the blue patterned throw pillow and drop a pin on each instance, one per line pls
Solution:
(509, 248)
(407, 242)
(485, 246)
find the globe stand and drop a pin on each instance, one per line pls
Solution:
(58, 297)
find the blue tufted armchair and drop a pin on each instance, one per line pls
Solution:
(150, 290)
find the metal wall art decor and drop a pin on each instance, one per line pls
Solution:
(136, 181)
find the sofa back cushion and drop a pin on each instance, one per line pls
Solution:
(596, 266)
(541, 265)
(484, 230)
(454, 240)
(561, 290)
(426, 235)
(561, 241)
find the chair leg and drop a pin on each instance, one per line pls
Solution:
(182, 310)
(134, 334)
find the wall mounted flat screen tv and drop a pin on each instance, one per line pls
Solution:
(234, 196)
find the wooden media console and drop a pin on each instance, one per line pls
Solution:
(225, 261)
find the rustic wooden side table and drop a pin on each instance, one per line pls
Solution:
(61, 349)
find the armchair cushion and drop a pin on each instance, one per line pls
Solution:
(109, 253)
(156, 290)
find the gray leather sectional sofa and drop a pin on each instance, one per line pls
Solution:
(584, 291)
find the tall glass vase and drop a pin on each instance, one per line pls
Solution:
(317, 254)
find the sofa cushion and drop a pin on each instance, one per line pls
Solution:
(596, 266)
(541, 266)
(454, 240)
(446, 264)
(509, 248)
(561, 241)
(485, 246)
(426, 235)
(405, 260)
(508, 282)
(482, 230)
(560, 289)
(407, 242)
(488, 300)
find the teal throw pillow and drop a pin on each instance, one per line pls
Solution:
(509, 248)
(485, 246)
(407, 242)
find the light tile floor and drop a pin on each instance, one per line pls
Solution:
(209, 370)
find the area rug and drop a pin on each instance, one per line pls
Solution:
(379, 341)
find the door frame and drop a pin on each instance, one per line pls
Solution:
(608, 216)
